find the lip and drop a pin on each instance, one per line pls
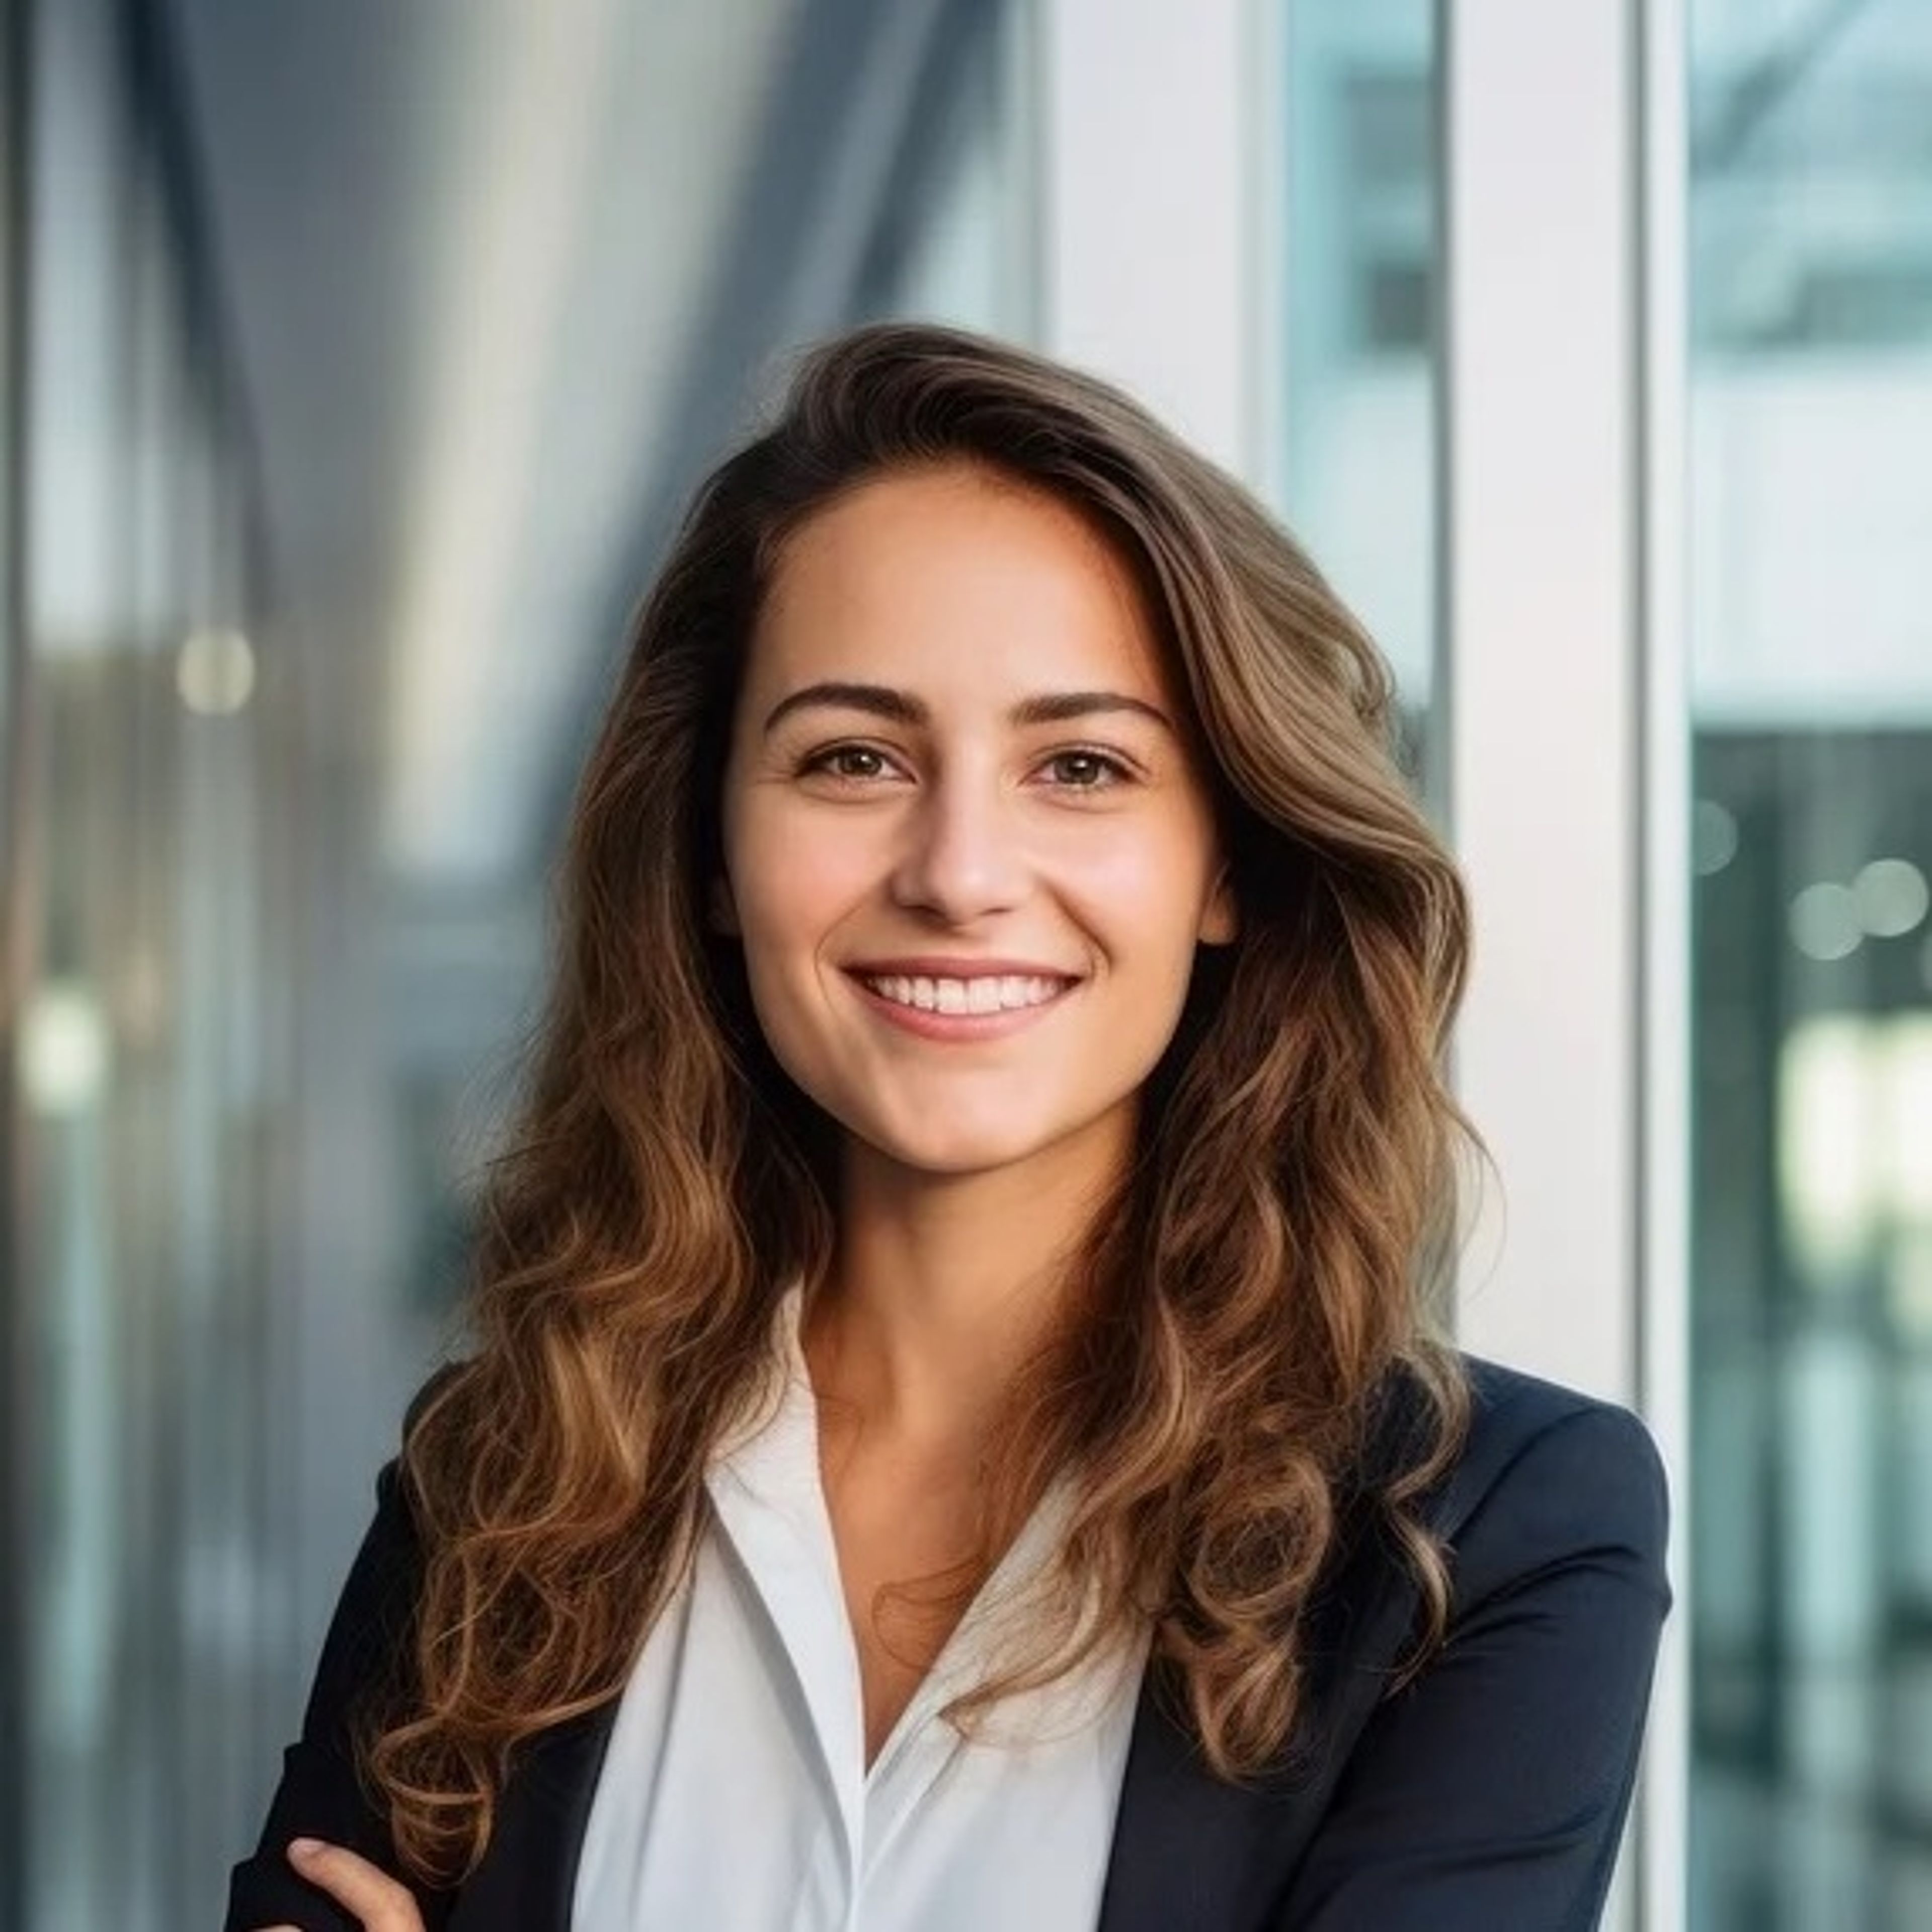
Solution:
(961, 1028)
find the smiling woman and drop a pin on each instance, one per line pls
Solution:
(955, 1435)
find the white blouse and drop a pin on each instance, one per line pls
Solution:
(734, 1795)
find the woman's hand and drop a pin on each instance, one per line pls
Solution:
(380, 1904)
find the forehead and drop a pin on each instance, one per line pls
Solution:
(953, 571)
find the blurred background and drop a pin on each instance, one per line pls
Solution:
(355, 357)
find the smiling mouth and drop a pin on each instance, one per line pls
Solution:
(991, 993)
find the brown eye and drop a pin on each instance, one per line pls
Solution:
(854, 763)
(1086, 771)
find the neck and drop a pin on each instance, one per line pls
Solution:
(943, 1287)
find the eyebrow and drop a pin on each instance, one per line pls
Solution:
(1052, 707)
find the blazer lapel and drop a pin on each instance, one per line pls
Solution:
(1190, 1848)
(1182, 1839)
(527, 1877)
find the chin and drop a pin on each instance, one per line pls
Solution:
(955, 1158)
(962, 1149)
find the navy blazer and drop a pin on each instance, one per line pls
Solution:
(1487, 1795)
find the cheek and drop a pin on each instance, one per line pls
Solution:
(1147, 890)
(793, 881)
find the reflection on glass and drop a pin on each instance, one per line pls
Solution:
(1356, 475)
(1811, 302)
(956, 240)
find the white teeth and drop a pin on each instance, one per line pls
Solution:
(997, 993)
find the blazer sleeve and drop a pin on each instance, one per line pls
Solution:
(1492, 1791)
(320, 1795)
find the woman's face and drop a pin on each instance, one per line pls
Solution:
(968, 856)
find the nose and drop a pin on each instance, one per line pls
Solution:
(963, 857)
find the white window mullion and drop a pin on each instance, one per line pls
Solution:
(1540, 597)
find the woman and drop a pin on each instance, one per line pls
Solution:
(955, 1437)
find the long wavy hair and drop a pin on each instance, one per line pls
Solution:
(1270, 1264)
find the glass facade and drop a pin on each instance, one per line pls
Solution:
(13, 1488)
(1811, 301)
(1357, 473)
(146, 1083)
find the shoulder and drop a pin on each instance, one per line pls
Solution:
(1547, 1475)
(438, 1380)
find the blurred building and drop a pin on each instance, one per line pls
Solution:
(355, 357)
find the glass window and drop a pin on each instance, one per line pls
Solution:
(1357, 474)
(1811, 555)
(135, 1262)
(955, 237)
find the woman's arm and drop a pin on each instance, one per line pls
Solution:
(1492, 1792)
(319, 1795)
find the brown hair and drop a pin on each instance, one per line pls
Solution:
(1268, 1268)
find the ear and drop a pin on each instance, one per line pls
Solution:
(722, 908)
(1220, 917)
